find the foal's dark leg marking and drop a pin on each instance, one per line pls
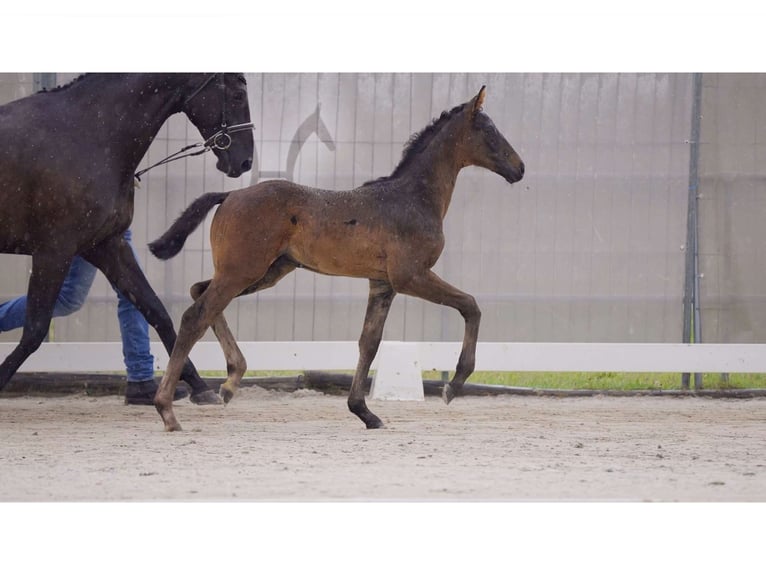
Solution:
(378, 305)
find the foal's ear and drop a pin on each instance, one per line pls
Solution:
(478, 101)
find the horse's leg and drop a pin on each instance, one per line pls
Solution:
(116, 260)
(236, 365)
(48, 273)
(196, 319)
(431, 287)
(378, 304)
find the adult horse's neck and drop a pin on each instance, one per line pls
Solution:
(122, 113)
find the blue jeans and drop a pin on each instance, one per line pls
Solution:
(134, 329)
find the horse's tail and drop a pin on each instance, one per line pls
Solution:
(174, 238)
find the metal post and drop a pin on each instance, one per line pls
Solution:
(692, 316)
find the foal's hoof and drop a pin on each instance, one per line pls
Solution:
(168, 418)
(171, 427)
(375, 423)
(448, 393)
(205, 398)
(226, 395)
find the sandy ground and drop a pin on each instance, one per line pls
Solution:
(306, 446)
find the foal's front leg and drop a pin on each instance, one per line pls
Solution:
(431, 287)
(378, 304)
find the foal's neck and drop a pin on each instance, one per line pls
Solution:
(437, 167)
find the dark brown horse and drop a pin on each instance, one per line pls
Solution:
(67, 164)
(388, 231)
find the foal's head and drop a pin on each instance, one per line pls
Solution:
(485, 146)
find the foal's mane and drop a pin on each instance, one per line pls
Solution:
(420, 140)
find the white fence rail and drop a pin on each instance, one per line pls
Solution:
(335, 355)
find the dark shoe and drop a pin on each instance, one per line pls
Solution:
(142, 392)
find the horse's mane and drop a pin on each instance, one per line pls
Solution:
(65, 86)
(420, 140)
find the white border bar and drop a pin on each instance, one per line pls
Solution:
(342, 355)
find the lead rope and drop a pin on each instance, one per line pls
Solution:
(175, 156)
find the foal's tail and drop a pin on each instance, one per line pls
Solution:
(174, 238)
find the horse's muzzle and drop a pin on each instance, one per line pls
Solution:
(515, 173)
(246, 165)
(232, 169)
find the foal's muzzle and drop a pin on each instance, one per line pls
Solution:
(514, 173)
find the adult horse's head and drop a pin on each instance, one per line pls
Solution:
(217, 105)
(488, 147)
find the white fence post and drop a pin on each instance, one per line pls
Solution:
(398, 375)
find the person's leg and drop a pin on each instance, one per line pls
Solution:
(136, 351)
(134, 330)
(72, 296)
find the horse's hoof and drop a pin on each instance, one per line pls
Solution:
(375, 423)
(448, 393)
(205, 398)
(226, 395)
(172, 427)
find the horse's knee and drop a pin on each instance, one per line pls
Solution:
(470, 309)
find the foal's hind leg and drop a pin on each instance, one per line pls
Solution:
(195, 321)
(378, 304)
(236, 365)
(431, 287)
